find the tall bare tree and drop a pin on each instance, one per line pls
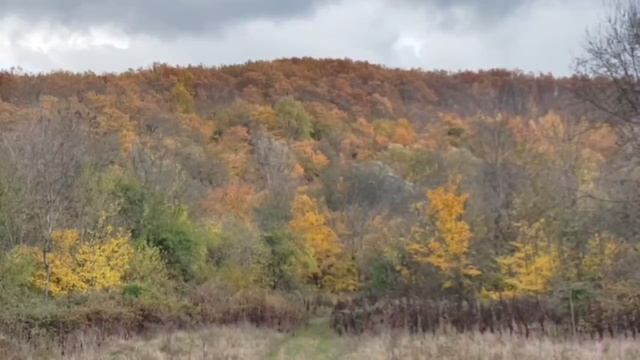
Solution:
(610, 70)
(48, 155)
(609, 81)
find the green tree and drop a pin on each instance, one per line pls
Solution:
(293, 120)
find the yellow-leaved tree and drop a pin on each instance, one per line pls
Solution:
(529, 269)
(327, 266)
(76, 267)
(445, 244)
(183, 98)
(602, 251)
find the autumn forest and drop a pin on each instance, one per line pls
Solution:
(270, 192)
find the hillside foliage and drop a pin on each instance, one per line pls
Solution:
(255, 182)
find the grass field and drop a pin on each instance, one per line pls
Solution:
(317, 341)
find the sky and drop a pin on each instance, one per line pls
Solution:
(117, 35)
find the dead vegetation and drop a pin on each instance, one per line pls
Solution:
(249, 342)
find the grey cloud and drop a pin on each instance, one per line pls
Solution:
(158, 18)
(533, 35)
(174, 17)
(489, 8)
(481, 13)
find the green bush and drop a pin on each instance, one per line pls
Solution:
(166, 227)
(280, 264)
(16, 272)
(293, 119)
(180, 241)
(383, 278)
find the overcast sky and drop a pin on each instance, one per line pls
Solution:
(115, 35)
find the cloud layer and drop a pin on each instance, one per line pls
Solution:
(114, 35)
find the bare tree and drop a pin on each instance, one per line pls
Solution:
(497, 177)
(274, 162)
(610, 70)
(48, 155)
(372, 191)
(609, 81)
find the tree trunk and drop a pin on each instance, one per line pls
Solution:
(47, 273)
(573, 315)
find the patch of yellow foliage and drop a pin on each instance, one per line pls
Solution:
(266, 116)
(602, 251)
(328, 268)
(78, 267)
(183, 99)
(533, 263)
(447, 248)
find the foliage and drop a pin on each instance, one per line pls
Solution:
(326, 267)
(302, 176)
(602, 252)
(17, 269)
(293, 120)
(147, 273)
(532, 265)
(447, 248)
(280, 266)
(158, 224)
(183, 99)
(181, 243)
(74, 266)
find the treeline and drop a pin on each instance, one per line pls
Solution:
(194, 195)
(525, 316)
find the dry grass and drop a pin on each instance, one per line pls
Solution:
(229, 342)
(220, 342)
(478, 346)
(318, 342)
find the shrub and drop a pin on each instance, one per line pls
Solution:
(280, 271)
(147, 275)
(216, 302)
(178, 239)
(74, 266)
(166, 227)
(293, 119)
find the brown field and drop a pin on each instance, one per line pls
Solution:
(317, 341)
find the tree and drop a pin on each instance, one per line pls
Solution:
(364, 193)
(283, 259)
(74, 266)
(234, 199)
(496, 179)
(610, 84)
(404, 133)
(532, 265)
(602, 251)
(293, 120)
(328, 268)
(49, 154)
(445, 244)
(183, 99)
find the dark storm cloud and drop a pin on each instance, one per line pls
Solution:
(156, 17)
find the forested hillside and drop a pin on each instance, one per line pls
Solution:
(196, 195)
